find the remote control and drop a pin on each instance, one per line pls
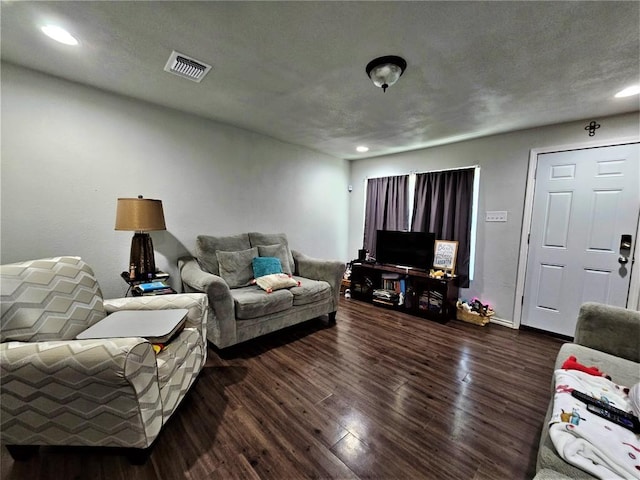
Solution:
(599, 403)
(611, 413)
(612, 417)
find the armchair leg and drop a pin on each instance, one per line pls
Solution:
(139, 456)
(22, 453)
(332, 318)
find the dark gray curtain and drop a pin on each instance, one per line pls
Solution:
(443, 204)
(386, 208)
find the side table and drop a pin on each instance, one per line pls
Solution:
(158, 277)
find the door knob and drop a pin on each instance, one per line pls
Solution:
(625, 249)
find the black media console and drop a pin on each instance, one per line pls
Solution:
(424, 296)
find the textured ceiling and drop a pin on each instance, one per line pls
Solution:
(295, 71)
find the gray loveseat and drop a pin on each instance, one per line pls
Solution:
(239, 311)
(605, 337)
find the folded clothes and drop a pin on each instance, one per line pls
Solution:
(385, 294)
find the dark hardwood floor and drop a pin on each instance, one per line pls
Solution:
(379, 395)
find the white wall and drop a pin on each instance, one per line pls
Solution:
(503, 161)
(69, 151)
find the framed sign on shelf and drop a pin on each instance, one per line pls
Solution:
(444, 257)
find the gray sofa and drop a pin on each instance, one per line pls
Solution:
(238, 311)
(605, 337)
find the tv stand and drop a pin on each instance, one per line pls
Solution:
(424, 296)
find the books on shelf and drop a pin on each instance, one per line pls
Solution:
(394, 283)
(161, 291)
(153, 288)
(150, 286)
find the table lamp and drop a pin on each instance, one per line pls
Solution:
(140, 215)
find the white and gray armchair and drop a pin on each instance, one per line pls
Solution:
(56, 390)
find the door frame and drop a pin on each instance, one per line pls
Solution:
(633, 299)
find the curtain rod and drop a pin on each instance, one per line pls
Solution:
(425, 171)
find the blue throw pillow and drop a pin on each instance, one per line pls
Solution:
(266, 266)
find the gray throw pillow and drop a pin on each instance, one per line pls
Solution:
(236, 268)
(207, 246)
(280, 252)
(257, 238)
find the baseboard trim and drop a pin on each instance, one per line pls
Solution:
(503, 322)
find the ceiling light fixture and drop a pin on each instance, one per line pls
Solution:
(59, 34)
(628, 92)
(385, 71)
(362, 149)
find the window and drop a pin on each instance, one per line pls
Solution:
(443, 202)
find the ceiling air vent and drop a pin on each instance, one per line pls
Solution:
(187, 67)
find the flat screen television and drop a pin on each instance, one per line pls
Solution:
(406, 249)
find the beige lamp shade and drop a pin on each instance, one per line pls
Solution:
(139, 215)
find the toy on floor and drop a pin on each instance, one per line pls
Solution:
(474, 306)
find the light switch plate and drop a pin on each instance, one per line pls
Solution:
(495, 216)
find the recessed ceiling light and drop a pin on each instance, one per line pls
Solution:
(629, 91)
(362, 149)
(59, 35)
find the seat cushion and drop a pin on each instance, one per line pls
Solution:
(310, 291)
(253, 302)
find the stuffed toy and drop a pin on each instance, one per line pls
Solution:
(572, 363)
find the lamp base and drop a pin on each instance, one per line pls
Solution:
(142, 257)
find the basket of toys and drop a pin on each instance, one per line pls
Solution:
(474, 312)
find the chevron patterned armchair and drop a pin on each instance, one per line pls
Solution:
(56, 390)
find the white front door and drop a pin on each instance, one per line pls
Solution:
(585, 209)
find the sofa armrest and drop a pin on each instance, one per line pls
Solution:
(331, 271)
(221, 323)
(196, 303)
(612, 330)
(76, 387)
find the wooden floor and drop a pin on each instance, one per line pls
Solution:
(380, 395)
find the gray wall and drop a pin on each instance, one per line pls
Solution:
(69, 151)
(503, 161)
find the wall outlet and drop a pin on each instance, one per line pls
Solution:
(495, 217)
